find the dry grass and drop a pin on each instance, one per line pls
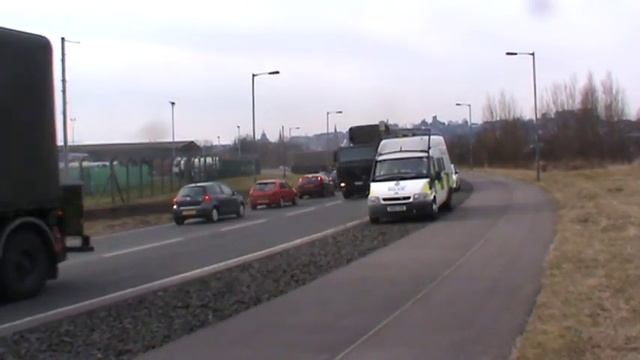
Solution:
(589, 305)
(241, 184)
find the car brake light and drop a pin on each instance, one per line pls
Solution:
(175, 201)
(207, 199)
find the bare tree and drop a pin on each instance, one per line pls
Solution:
(508, 108)
(490, 109)
(589, 95)
(571, 93)
(614, 101)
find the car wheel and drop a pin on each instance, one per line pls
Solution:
(280, 203)
(254, 207)
(294, 201)
(241, 211)
(24, 266)
(178, 221)
(346, 194)
(374, 220)
(214, 216)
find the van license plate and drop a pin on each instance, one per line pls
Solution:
(396, 208)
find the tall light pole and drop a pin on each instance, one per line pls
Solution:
(65, 137)
(253, 97)
(239, 151)
(173, 130)
(329, 113)
(470, 134)
(535, 107)
(293, 128)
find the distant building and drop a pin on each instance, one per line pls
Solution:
(264, 138)
(135, 151)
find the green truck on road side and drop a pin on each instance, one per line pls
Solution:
(37, 214)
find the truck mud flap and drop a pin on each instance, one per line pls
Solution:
(84, 246)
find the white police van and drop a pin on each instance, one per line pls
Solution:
(411, 177)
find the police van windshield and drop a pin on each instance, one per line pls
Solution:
(401, 169)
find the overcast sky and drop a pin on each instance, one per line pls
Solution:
(401, 60)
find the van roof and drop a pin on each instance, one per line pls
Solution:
(413, 143)
(401, 155)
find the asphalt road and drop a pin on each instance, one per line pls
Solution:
(125, 260)
(461, 288)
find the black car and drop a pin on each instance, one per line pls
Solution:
(206, 201)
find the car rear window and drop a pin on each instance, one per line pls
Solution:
(265, 186)
(309, 179)
(192, 192)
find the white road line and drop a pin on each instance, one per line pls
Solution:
(126, 232)
(138, 248)
(163, 283)
(301, 211)
(332, 203)
(233, 227)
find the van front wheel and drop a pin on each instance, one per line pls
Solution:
(448, 204)
(433, 212)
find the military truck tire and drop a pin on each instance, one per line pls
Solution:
(24, 266)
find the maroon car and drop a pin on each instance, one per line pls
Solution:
(315, 185)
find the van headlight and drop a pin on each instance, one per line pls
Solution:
(373, 200)
(421, 196)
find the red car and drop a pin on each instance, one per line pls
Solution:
(272, 193)
(315, 185)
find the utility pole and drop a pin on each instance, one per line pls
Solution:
(253, 98)
(65, 135)
(327, 134)
(239, 151)
(65, 141)
(470, 134)
(173, 130)
(535, 108)
(535, 111)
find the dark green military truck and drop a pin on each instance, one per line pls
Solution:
(37, 213)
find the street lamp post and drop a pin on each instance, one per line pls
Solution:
(470, 134)
(535, 108)
(253, 97)
(329, 113)
(65, 138)
(293, 128)
(173, 130)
